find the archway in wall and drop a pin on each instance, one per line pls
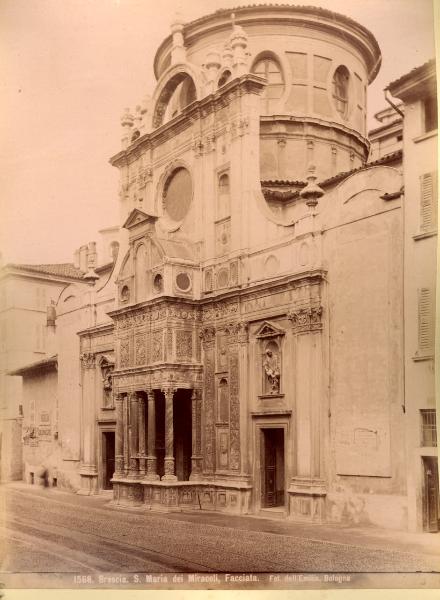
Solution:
(178, 92)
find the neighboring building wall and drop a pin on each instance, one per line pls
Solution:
(417, 90)
(41, 446)
(24, 339)
(388, 137)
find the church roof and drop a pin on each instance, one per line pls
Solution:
(63, 270)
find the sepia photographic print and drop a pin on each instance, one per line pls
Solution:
(217, 306)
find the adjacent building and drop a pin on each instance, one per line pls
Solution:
(247, 349)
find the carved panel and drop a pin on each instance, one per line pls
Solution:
(209, 415)
(234, 415)
(169, 344)
(222, 353)
(156, 346)
(223, 237)
(139, 350)
(184, 345)
(124, 353)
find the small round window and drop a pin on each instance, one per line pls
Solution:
(341, 80)
(177, 194)
(183, 282)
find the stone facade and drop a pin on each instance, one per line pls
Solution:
(244, 352)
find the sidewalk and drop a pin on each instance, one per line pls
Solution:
(371, 537)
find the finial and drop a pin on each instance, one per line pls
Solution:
(311, 192)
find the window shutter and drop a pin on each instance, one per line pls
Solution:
(426, 320)
(428, 201)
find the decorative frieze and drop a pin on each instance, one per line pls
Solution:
(219, 310)
(305, 318)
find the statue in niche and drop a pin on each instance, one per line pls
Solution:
(271, 366)
(107, 384)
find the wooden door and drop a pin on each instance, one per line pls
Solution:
(109, 459)
(273, 468)
(431, 512)
(270, 471)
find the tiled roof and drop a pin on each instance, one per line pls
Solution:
(414, 73)
(46, 363)
(64, 270)
(388, 158)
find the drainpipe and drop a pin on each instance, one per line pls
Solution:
(403, 406)
(396, 108)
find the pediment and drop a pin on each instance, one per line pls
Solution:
(138, 216)
(106, 361)
(268, 329)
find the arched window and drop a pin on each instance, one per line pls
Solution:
(178, 93)
(223, 401)
(269, 68)
(223, 197)
(226, 76)
(340, 90)
(140, 273)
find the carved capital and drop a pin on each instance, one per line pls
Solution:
(237, 332)
(207, 335)
(305, 318)
(88, 360)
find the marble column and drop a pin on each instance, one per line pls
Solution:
(133, 469)
(126, 449)
(141, 428)
(119, 435)
(169, 436)
(88, 468)
(151, 444)
(196, 457)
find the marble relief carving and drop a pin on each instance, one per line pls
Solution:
(234, 411)
(124, 353)
(184, 346)
(140, 350)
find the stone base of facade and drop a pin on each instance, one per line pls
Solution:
(88, 482)
(306, 500)
(183, 495)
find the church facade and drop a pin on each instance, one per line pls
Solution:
(244, 352)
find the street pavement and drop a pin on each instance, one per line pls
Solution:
(51, 531)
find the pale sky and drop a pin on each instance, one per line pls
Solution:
(70, 67)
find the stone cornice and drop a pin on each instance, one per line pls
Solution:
(96, 330)
(312, 122)
(246, 84)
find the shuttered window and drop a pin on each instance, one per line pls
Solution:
(426, 320)
(428, 201)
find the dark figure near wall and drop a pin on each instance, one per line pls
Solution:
(45, 478)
